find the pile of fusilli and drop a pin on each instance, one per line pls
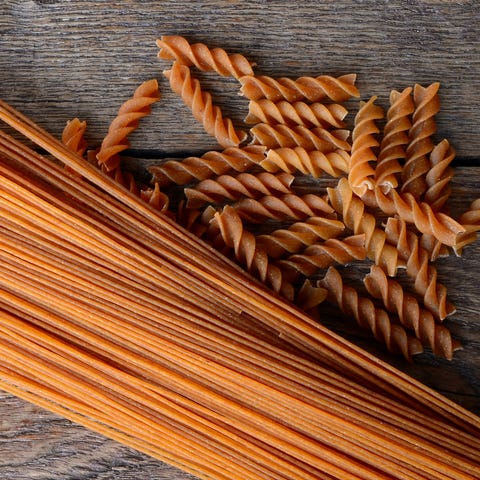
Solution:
(386, 203)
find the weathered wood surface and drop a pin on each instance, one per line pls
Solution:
(61, 59)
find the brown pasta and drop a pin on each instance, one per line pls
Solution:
(410, 314)
(439, 176)
(395, 139)
(156, 198)
(175, 47)
(471, 222)
(296, 113)
(419, 268)
(203, 109)
(210, 164)
(361, 173)
(299, 235)
(308, 162)
(284, 207)
(228, 187)
(420, 143)
(310, 296)
(249, 254)
(125, 123)
(313, 89)
(362, 309)
(278, 136)
(73, 136)
(354, 215)
(322, 255)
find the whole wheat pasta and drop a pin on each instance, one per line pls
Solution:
(125, 123)
(323, 254)
(202, 106)
(471, 222)
(410, 314)
(257, 407)
(299, 235)
(248, 253)
(210, 164)
(313, 89)
(310, 115)
(284, 207)
(228, 187)
(362, 309)
(439, 175)
(360, 221)
(155, 197)
(392, 151)
(361, 173)
(317, 138)
(420, 143)
(176, 47)
(419, 268)
(73, 136)
(308, 162)
(309, 296)
(441, 226)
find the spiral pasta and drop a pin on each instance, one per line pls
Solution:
(410, 314)
(308, 162)
(210, 164)
(297, 113)
(175, 47)
(439, 176)
(419, 268)
(249, 254)
(299, 235)
(355, 217)
(313, 89)
(471, 222)
(277, 136)
(394, 139)
(73, 136)
(228, 187)
(361, 173)
(203, 109)
(377, 320)
(321, 255)
(284, 207)
(420, 144)
(125, 123)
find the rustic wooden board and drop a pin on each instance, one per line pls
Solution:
(61, 59)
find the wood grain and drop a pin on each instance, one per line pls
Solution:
(61, 59)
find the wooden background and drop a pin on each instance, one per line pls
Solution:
(61, 59)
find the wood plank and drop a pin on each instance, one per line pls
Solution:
(64, 59)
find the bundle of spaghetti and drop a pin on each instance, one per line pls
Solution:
(175, 47)
(235, 187)
(363, 310)
(308, 162)
(419, 267)
(210, 164)
(126, 121)
(361, 173)
(288, 206)
(394, 139)
(427, 105)
(309, 115)
(355, 216)
(299, 235)
(317, 138)
(202, 106)
(410, 313)
(313, 89)
(261, 418)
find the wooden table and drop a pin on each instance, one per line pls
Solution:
(62, 59)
